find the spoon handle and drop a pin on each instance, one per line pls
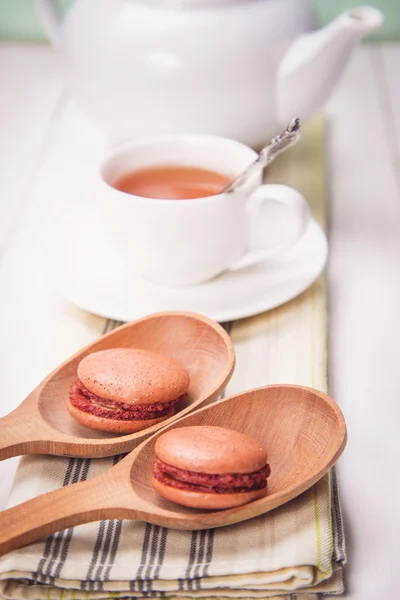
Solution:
(278, 144)
(18, 435)
(76, 504)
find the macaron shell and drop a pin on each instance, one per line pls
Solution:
(112, 425)
(206, 501)
(213, 450)
(133, 376)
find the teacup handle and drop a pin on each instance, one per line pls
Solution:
(263, 233)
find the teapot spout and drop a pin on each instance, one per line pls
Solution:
(314, 62)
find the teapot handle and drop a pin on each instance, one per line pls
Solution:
(49, 16)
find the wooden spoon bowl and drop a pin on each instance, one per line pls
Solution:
(302, 429)
(42, 424)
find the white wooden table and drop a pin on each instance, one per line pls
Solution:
(363, 276)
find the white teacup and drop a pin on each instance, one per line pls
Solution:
(176, 242)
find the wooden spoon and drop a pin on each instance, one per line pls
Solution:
(42, 424)
(302, 429)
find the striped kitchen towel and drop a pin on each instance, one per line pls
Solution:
(295, 552)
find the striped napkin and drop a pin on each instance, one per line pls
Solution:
(296, 551)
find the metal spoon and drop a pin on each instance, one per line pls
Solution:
(278, 144)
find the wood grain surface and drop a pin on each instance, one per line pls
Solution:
(302, 429)
(43, 425)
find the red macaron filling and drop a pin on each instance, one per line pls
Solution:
(84, 400)
(228, 483)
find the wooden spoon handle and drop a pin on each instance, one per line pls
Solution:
(18, 435)
(79, 503)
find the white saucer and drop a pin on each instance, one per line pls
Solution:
(92, 276)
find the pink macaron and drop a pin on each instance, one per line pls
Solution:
(124, 390)
(209, 467)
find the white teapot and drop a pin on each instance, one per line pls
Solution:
(236, 68)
